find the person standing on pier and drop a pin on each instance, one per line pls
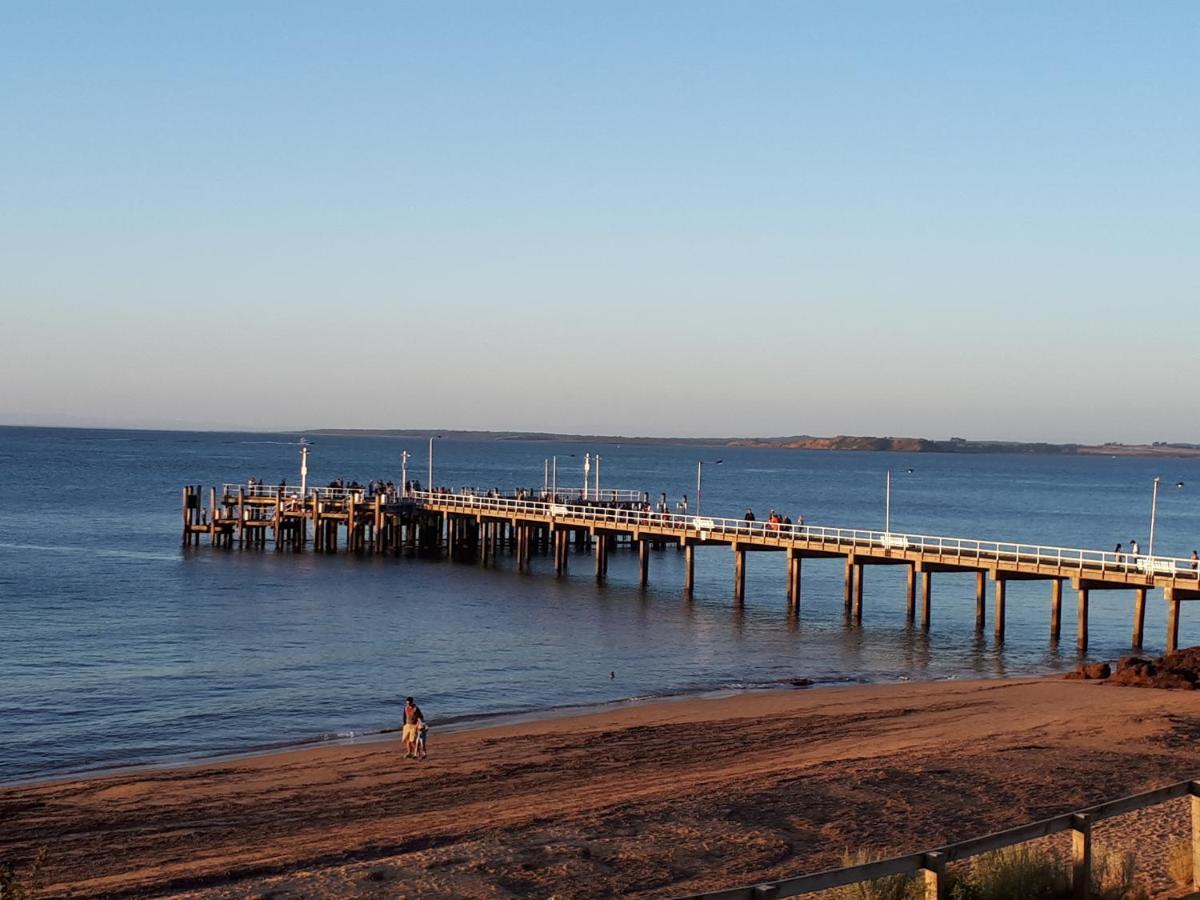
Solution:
(413, 719)
(1133, 549)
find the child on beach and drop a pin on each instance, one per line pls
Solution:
(422, 730)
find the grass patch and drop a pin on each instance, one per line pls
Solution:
(15, 885)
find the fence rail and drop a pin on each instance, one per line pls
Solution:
(930, 864)
(967, 550)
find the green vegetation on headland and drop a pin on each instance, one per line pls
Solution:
(795, 442)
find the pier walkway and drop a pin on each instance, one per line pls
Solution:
(473, 525)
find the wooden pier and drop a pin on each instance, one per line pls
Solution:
(473, 526)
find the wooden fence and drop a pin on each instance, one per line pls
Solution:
(931, 864)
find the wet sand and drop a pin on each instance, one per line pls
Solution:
(658, 799)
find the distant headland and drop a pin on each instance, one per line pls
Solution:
(796, 442)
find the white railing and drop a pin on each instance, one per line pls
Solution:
(261, 491)
(951, 549)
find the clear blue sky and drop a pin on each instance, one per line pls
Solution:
(622, 217)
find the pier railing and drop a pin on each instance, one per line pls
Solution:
(931, 865)
(1091, 562)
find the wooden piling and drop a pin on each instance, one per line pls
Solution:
(793, 576)
(1172, 622)
(1081, 635)
(1001, 591)
(1081, 856)
(981, 600)
(859, 572)
(1195, 805)
(643, 562)
(739, 574)
(926, 599)
(599, 549)
(689, 570)
(1139, 617)
(1055, 609)
(911, 593)
(848, 584)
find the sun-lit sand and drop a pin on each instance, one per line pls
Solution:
(657, 799)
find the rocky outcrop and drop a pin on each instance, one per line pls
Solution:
(1175, 671)
(1090, 672)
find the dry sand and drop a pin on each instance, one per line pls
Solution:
(659, 799)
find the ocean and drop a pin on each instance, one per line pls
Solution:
(120, 648)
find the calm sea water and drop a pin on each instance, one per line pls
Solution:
(119, 648)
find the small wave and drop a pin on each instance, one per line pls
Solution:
(94, 551)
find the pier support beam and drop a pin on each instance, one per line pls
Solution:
(689, 570)
(1081, 637)
(859, 571)
(981, 601)
(1172, 624)
(911, 594)
(793, 579)
(1139, 618)
(739, 574)
(1001, 590)
(600, 551)
(849, 583)
(926, 598)
(1055, 610)
(643, 562)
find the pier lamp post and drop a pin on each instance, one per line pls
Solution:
(404, 458)
(700, 475)
(587, 472)
(432, 438)
(1153, 516)
(887, 504)
(554, 476)
(303, 470)
(596, 493)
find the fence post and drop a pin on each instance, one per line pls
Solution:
(933, 865)
(1081, 855)
(1194, 789)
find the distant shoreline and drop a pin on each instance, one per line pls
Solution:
(795, 442)
(842, 442)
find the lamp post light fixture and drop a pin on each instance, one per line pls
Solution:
(404, 458)
(1153, 515)
(432, 438)
(699, 476)
(887, 504)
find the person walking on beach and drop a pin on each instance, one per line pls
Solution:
(422, 730)
(413, 719)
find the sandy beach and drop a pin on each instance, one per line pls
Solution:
(656, 800)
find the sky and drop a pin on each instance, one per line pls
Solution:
(657, 218)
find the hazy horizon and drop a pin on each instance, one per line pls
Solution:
(450, 433)
(671, 219)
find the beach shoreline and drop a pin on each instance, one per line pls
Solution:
(655, 799)
(453, 725)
